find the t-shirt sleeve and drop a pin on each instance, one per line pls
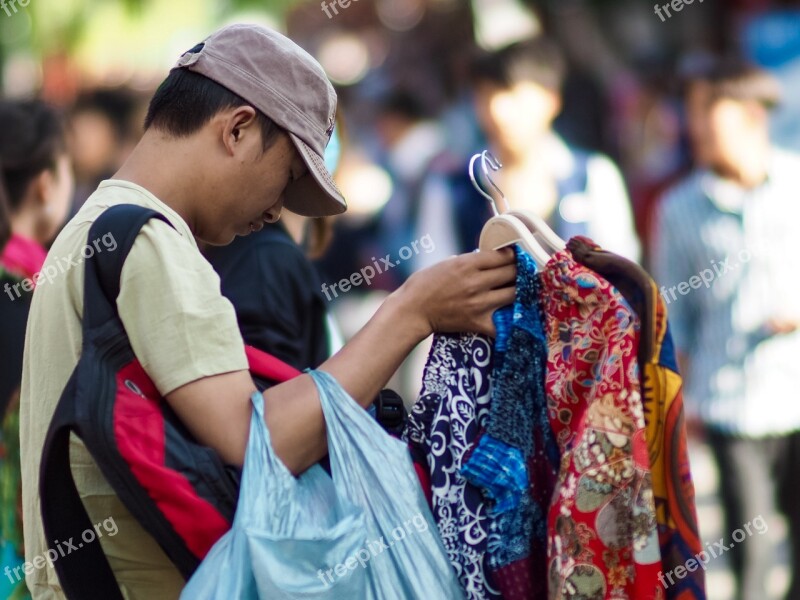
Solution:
(180, 326)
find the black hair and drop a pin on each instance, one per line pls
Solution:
(185, 101)
(737, 79)
(118, 105)
(403, 103)
(32, 138)
(538, 60)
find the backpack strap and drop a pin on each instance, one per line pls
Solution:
(82, 567)
(123, 223)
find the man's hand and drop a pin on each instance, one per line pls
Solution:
(461, 294)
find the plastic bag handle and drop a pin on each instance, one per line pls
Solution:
(344, 416)
(261, 463)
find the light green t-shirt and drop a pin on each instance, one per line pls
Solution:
(181, 329)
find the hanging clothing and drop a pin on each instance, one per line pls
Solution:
(515, 461)
(483, 435)
(443, 425)
(673, 488)
(602, 528)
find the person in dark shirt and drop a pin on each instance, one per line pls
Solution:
(277, 295)
(13, 318)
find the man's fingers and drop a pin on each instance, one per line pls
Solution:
(491, 259)
(497, 278)
(486, 327)
(499, 298)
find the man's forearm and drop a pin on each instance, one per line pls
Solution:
(458, 294)
(362, 367)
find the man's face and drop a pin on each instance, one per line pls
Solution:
(251, 182)
(722, 130)
(515, 117)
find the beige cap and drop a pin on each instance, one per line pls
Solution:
(289, 86)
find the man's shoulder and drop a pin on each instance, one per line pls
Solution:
(174, 234)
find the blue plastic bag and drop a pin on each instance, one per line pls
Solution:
(365, 532)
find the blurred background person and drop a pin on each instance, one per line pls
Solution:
(104, 125)
(36, 186)
(733, 224)
(517, 97)
(411, 142)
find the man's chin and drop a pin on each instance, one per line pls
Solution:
(223, 240)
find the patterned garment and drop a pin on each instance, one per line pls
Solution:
(663, 413)
(443, 425)
(669, 463)
(602, 529)
(516, 460)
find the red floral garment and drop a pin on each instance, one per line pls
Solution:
(602, 529)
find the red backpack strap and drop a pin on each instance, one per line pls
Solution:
(268, 367)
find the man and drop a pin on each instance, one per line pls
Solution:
(724, 244)
(236, 131)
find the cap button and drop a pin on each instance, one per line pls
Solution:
(188, 58)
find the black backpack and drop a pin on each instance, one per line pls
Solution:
(178, 490)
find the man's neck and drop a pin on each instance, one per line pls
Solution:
(520, 159)
(753, 167)
(163, 167)
(747, 176)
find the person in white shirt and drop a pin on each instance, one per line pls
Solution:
(517, 97)
(725, 241)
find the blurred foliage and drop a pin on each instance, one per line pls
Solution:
(45, 26)
(98, 31)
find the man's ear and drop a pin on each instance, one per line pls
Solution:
(555, 104)
(237, 123)
(41, 185)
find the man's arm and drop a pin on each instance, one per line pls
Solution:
(459, 294)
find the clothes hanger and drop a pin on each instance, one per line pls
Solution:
(540, 229)
(509, 228)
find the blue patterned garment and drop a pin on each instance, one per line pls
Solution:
(483, 403)
(515, 460)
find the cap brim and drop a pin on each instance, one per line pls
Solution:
(314, 194)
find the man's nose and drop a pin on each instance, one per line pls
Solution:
(274, 213)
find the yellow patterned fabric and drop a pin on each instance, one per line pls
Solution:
(669, 465)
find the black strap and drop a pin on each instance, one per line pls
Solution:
(82, 567)
(122, 223)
